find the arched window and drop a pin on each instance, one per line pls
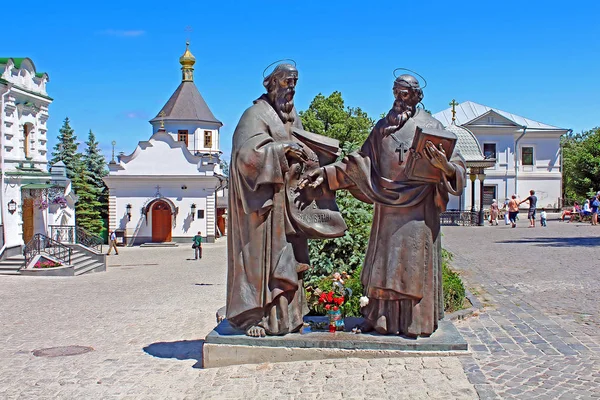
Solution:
(26, 132)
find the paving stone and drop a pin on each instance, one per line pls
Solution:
(537, 285)
(146, 324)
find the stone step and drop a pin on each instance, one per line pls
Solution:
(9, 272)
(81, 264)
(94, 267)
(162, 244)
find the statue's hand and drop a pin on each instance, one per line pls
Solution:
(295, 151)
(313, 179)
(437, 158)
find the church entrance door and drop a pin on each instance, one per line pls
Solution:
(27, 220)
(161, 222)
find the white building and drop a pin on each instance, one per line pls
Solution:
(526, 153)
(31, 198)
(166, 190)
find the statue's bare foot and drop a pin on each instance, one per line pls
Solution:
(256, 331)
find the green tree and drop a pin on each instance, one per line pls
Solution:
(581, 164)
(329, 116)
(87, 206)
(95, 164)
(66, 149)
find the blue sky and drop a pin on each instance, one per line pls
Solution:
(113, 65)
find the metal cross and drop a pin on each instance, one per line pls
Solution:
(189, 30)
(400, 150)
(453, 103)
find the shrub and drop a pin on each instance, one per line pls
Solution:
(351, 306)
(454, 290)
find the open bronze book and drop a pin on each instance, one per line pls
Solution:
(418, 167)
(313, 211)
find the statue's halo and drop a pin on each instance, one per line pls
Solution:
(406, 69)
(275, 62)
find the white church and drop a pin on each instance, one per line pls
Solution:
(507, 154)
(170, 187)
(33, 199)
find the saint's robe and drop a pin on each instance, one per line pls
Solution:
(265, 252)
(402, 274)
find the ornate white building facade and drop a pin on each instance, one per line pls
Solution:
(166, 190)
(32, 199)
(525, 154)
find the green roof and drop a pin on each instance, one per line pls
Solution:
(36, 186)
(18, 61)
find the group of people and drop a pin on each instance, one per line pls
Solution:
(512, 208)
(589, 209)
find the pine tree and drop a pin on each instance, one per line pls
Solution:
(66, 149)
(96, 166)
(87, 207)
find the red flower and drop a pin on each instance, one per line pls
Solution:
(327, 306)
(335, 308)
(330, 297)
(338, 300)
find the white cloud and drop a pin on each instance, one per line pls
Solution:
(135, 115)
(122, 33)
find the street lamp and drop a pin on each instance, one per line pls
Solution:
(128, 208)
(193, 211)
(12, 206)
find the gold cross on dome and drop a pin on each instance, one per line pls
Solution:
(188, 29)
(453, 103)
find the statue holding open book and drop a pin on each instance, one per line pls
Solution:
(407, 169)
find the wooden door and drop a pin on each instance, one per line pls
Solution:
(161, 222)
(27, 220)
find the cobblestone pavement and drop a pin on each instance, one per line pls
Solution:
(145, 319)
(538, 336)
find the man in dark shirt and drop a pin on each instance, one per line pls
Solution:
(532, 199)
(197, 245)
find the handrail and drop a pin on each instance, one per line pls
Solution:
(76, 234)
(43, 244)
(88, 239)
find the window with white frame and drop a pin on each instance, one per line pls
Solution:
(489, 151)
(527, 156)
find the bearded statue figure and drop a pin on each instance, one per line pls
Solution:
(267, 232)
(401, 275)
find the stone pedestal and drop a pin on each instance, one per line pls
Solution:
(225, 346)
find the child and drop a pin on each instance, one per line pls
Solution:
(543, 217)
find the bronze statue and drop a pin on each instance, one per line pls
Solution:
(402, 275)
(270, 219)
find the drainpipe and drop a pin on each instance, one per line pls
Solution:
(222, 185)
(562, 193)
(2, 166)
(517, 159)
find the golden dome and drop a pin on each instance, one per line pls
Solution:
(187, 59)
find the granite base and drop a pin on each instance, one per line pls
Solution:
(226, 346)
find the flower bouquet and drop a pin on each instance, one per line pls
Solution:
(41, 204)
(61, 201)
(333, 300)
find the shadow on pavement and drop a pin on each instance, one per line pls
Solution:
(592, 241)
(181, 350)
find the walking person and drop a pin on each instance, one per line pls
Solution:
(494, 213)
(513, 210)
(543, 217)
(112, 243)
(532, 199)
(506, 213)
(197, 245)
(595, 204)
